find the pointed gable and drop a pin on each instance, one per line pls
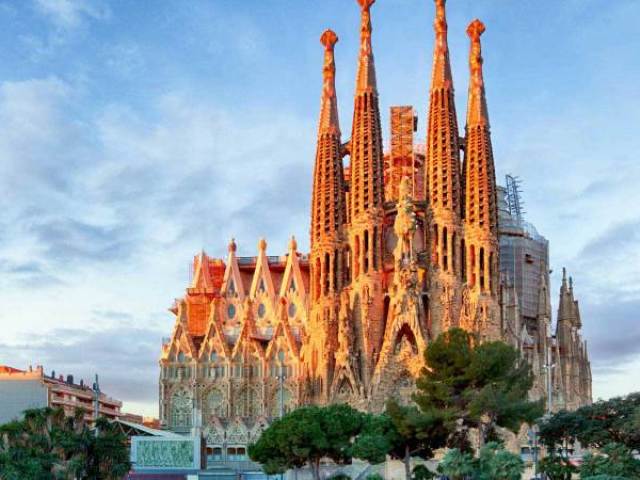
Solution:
(214, 340)
(294, 289)
(232, 284)
(282, 334)
(262, 283)
(181, 341)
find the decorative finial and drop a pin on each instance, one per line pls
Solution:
(366, 77)
(440, 23)
(477, 112)
(329, 39)
(366, 4)
(262, 245)
(475, 30)
(293, 244)
(232, 245)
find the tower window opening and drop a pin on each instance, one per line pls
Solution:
(463, 261)
(326, 274)
(445, 249)
(375, 248)
(365, 260)
(335, 276)
(317, 279)
(347, 266)
(356, 258)
(472, 259)
(490, 279)
(453, 252)
(435, 244)
(482, 269)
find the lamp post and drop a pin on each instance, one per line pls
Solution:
(281, 386)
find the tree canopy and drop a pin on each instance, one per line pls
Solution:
(615, 461)
(482, 385)
(46, 444)
(402, 432)
(492, 463)
(307, 435)
(616, 420)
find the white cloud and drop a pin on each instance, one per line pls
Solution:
(69, 14)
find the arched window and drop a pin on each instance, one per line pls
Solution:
(181, 409)
(214, 403)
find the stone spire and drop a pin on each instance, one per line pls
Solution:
(328, 201)
(443, 186)
(477, 113)
(366, 138)
(329, 122)
(443, 155)
(481, 206)
(366, 79)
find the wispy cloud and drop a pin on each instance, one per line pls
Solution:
(125, 357)
(71, 13)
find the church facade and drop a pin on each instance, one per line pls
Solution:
(404, 245)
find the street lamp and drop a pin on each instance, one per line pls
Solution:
(281, 381)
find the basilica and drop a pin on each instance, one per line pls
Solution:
(405, 243)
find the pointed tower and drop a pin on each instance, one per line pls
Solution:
(481, 213)
(366, 208)
(443, 185)
(327, 224)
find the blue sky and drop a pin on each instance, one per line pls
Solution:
(136, 133)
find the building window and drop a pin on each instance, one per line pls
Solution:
(261, 310)
(292, 310)
(231, 311)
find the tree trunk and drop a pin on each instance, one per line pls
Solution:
(315, 468)
(407, 463)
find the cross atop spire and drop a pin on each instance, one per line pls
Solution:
(329, 122)
(366, 79)
(477, 113)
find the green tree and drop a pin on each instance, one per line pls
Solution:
(483, 386)
(616, 460)
(401, 432)
(616, 420)
(307, 435)
(421, 472)
(496, 463)
(457, 465)
(46, 444)
(557, 468)
(561, 430)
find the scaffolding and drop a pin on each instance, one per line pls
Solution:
(401, 161)
(514, 199)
